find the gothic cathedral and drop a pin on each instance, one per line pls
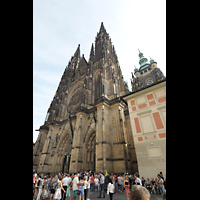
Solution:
(87, 124)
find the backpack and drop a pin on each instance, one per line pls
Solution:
(55, 184)
(38, 183)
(50, 185)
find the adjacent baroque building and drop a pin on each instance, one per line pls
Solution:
(87, 124)
(147, 111)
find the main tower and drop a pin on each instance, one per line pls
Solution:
(87, 124)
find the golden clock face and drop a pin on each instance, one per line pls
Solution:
(149, 81)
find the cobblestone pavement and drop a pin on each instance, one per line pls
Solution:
(120, 196)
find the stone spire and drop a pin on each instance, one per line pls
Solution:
(77, 53)
(91, 59)
(75, 59)
(102, 28)
(102, 41)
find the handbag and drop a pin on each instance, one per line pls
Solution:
(108, 189)
(78, 192)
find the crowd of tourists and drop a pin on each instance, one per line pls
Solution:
(78, 186)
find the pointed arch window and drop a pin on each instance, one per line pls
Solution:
(98, 90)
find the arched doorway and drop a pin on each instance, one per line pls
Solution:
(91, 151)
(64, 152)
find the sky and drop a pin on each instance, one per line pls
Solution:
(60, 25)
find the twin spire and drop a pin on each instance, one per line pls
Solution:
(142, 60)
(92, 52)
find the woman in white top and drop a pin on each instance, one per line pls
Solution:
(88, 187)
(58, 190)
(110, 189)
(85, 187)
(40, 186)
(96, 182)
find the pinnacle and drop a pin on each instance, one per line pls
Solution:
(91, 53)
(140, 53)
(92, 49)
(102, 28)
(77, 53)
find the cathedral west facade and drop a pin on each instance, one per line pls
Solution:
(88, 124)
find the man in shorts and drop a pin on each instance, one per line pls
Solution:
(75, 186)
(68, 186)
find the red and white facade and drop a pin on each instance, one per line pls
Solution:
(147, 110)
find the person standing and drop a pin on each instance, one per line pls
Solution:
(102, 181)
(143, 182)
(116, 185)
(53, 186)
(36, 187)
(45, 188)
(81, 188)
(110, 189)
(64, 183)
(126, 186)
(88, 186)
(40, 186)
(160, 184)
(130, 177)
(69, 181)
(137, 180)
(92, 183)
(153, 185)
(107, 178)
(75, 186)
(58, 190)
(85, 187)
(156, 186)
(120, 183)
(96, 182)
(48, 186)
(33, 183)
